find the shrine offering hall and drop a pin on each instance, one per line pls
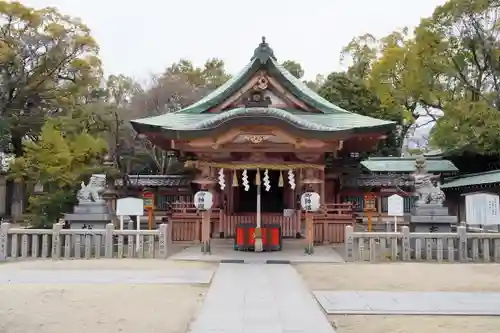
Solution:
(258, 143)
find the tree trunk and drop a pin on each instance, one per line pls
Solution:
(17, 208)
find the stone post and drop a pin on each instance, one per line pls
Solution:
(349, 243)
(309, 233)
(405, 244)
(462, 243)
(56, 241)
(4, 241)
(108, 240)
(163, 242)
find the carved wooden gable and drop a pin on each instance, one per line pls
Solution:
(262, 90)
(259, 137)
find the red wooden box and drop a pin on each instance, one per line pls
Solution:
(245, 237)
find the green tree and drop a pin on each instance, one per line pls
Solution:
(353, 95)
(212, 75)
(463, 52)
(168, 92)
(446, 71)
(294, 68)
(47, 61)
(317, 83)
(58, 161)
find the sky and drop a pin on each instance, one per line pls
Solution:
(138, 38)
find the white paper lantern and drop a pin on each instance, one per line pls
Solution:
(203, 200)
(310, 201)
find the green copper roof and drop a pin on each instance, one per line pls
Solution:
(195, 119)
(407, 164)
(175, 123)
(474, 179)
(264, 58)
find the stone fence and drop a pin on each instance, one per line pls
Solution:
(459, 246)
(58, 243)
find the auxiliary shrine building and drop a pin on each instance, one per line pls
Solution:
(266, 131)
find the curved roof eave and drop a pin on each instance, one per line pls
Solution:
(310, 126)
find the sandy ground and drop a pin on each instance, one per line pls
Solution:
(406, 277)
(99, 308)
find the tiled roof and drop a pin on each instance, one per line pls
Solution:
(407, 164)
(180, 121)
(157, 180)
(474, 179)
(329, 117)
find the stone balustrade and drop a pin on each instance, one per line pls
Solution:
(58, 243)
(460, 246)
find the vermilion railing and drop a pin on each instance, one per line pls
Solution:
(329, 222)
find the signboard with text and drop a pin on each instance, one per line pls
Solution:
(395, 205)
(149, 200)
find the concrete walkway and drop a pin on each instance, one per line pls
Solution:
(410, 303)
(259, 298)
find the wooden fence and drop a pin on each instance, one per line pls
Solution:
(58, 243)
(461, 246)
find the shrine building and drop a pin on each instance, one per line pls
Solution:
(260, 141)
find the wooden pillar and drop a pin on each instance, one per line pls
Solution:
(322, 186)
(311, 182)
(309, 249)
(207, 182)
(205, 231)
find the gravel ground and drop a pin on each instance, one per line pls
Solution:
(402, 276)
(406, 277)
(99, 308)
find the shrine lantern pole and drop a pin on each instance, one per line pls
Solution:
(369, 208)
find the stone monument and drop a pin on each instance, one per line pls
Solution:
(429, 215)
(91, 212)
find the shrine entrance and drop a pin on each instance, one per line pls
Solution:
(271, 201)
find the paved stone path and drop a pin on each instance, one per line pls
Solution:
(409, 303)
(259, 298)
(170, 276)
(291, 254)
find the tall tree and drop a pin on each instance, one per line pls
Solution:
(448, 67)
(294, 68)
(317, 83)
(47, 61)
(212, 75)
(116, 113)
(58, 161)
(166, 93)
(463, 51)
(353, 95)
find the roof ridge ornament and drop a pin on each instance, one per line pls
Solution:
(263, 52)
